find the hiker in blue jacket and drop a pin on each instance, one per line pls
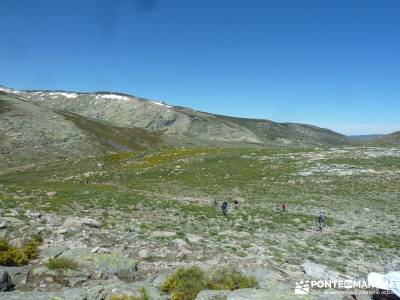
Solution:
(224, 208)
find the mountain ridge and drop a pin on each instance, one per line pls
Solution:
(166, 117)
(99, 122)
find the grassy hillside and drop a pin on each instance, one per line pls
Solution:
(117, 138)
(31, 133)
(174, 190)
(291, 133)
(184, 125)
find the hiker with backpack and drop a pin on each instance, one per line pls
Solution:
(224, 208)
(320, 221)
(236, 203)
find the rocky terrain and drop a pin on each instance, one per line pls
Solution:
(109, 196)
(127, 220)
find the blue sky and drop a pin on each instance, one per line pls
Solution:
(332, 63)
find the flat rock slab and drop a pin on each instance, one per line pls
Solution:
(212, 295)
(52, 252)
(163, 234)
(100, 291)
(263, 276)
(249, 294)
(111, 263)
(319, 272)
(75, 222)
(70, 294)
(193, 238)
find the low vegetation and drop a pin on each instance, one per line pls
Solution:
(186, 283)
(13, 256)
(61, 263)
(143, 296)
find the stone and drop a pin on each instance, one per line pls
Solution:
(33, 214)
(180, 242)
(51, 252)
(319, 272)
(70, 294)
(163, 234)
(212, 295)
(51, 194)
(3, 225)
(6, 283)
(193, 239)
(110, 263)
(62, 231)
(95, 249)
(263, 276)
(39, 271)
(19, 275)
(249, 294)
(76, 222)
(13, 212)
(144, 253)
(159, 280)
(52, 220)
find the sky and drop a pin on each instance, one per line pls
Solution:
(334, 64)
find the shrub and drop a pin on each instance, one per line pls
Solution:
(12, 257)
(230, 279)
(38, 238)
(61, 263)
(31, 249)
(4, 245)
(186, 283)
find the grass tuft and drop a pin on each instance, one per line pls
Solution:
(61, 263)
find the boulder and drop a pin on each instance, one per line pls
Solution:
(160, 279)
(95, 249)
(6, 283)
(212, 295)
(263, 276)
(19, 275)
(319, 272)
(163, 234)
(144, 253)
(39, 271)
(13, 212)
(75, 222)
(110, 263)
(74, 277)
(52, 219)
(250, 294)
(99, 291)
(51, 194)
(33, 214)
(69, 294)
(51, 252)
(193, 239)
(180, 242)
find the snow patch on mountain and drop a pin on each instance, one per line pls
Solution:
(112, 97)
(66, 95)
(7, 90)
(160, 104)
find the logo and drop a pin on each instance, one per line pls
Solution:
(302, 288)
